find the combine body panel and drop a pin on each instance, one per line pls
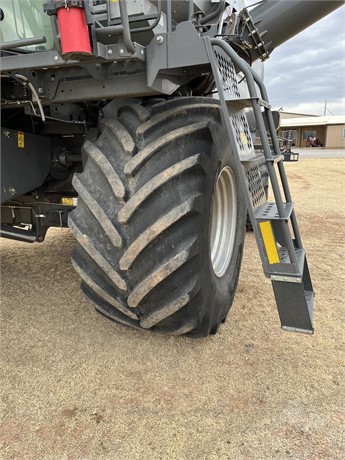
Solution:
(132, 122)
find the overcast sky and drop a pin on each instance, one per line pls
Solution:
(310, 68)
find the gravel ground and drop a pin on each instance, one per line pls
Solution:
(77, 386)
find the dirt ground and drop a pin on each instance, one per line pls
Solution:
(77, 386)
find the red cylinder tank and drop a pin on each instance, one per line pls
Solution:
(74, 32)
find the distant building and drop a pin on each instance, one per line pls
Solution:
(284, 115)
(309, 130)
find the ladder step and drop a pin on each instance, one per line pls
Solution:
(295, 302)
(295, 307)
(269, 211)
(240, 103)
(285, 259)
(285, 270)
(275, 158)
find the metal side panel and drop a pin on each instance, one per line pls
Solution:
(25, 162)
(295, 306)
(295, 302)
(227, 86)
(255, 186)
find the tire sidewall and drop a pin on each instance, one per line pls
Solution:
(222, 289)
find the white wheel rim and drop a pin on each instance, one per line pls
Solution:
(223, 221)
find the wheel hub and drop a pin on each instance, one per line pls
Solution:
(223, 221)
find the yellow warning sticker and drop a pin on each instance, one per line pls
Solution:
(20, 140)
(243, 136)
(269, 242)
(67, 201)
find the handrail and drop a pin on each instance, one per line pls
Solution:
(124, 27)
(125, 23)
(169, 20)
(23, 42)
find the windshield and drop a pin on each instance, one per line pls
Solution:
(25, 19)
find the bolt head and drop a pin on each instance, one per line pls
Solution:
(56, 58)
(11, 190)
(110, 51)
(121, 51)
(159, 39)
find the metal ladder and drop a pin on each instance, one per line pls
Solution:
(274, 223)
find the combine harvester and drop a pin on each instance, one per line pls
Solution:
(131, 122)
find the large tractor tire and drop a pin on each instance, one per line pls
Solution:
(160, 220)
